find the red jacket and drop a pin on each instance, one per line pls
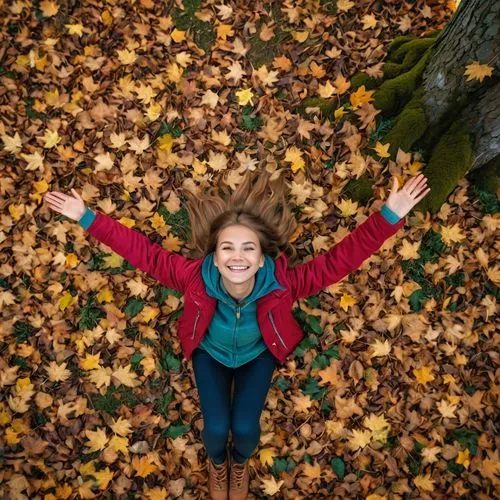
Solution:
(278, 327)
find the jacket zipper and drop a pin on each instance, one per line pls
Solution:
(196, 320)
(275, 329)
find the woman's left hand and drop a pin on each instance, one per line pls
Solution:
(402, 201)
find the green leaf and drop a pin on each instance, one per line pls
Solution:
(313, 301)
(321, 361)
(281, 383)
(314, 325)
(90, 314)
(135, 360)
(134, 307)
(22, 331)
(312, 389)
(174, 431)
(281, 465)
(339, 467)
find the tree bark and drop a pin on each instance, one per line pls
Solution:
(471, 35)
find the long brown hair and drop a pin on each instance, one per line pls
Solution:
(258, 203)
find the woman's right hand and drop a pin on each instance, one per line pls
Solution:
(72, 207)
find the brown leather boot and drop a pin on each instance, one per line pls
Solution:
(238, 480)
(217, 480)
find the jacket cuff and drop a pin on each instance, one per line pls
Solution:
(87, 219)
(389, 215)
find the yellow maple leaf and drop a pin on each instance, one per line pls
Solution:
(326, 90)
(300, 36)
(174, 72)
(48, 8)
(72, 260)
(121, 426)
(267, 455)
(75, 29)
(359, 439)
(97, 439)
(221, 137)
(271, 486)
(105, 295)
(11, 437)
(382, 149)
(124, 376)
(339, 113)
(178, 36)
(16, 211)
(153, 111)
(118, 443)
(165, 142)
(113, 260)
(380, 348)
(91, 361)
(65, 301)
(224, 30)
(379, 427)
(301, 403)
(127, 56)
(41, 186)
(451, 234)
(425, 483)
(346, 301)
(101, 376)
(341, 84)
(409, 250)
(368, 21)
(361, 96)
(312, 471)
(107, 18)
(344, 5)
(463, 458)
(51, 138)
(245, 96)
(149, 313)
(142, 465)
(103, 477)
(294, 156)
(446, 409)
(127, 222)
(57, 373)
(347, 207)
(423, 374)
(477, 71)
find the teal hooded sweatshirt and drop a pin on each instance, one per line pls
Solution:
(233, 340)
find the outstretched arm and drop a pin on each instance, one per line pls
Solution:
(347, 255)
(167, 267)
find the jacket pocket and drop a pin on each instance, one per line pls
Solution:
(198, 313)
(271, 318)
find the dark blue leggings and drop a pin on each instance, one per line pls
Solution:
(251, 385)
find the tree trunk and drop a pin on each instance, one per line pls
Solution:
(471, 35)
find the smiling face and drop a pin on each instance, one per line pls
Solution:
(238, 246)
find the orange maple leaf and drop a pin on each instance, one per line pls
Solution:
(477, 71)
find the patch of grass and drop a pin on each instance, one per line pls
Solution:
(114, 397)
(203, 33)
(179, 222)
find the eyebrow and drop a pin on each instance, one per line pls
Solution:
(244, 243)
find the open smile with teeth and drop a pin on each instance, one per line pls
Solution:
(238, 269)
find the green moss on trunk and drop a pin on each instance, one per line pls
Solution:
(326, 106)
(394, 94)
(361, 78)
(450, 160)
(359, 189)
(409, 126)
(487, 178)
(410, 52)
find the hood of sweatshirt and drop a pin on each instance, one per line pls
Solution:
(265, 281)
